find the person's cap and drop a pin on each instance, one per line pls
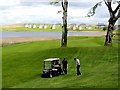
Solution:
(74, 58)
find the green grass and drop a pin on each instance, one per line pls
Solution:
(23, 64)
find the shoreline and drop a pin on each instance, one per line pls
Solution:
(53, 31)
(31, 39)
(26, 39)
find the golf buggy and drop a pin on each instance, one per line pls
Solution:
(52, 67)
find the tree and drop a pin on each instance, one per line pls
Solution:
(64, 4)
(114, 15)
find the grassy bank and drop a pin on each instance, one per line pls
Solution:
(39, 29)
(23, 64)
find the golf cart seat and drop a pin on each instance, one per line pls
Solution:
(56, 65)
(54, 69)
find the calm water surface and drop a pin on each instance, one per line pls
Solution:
(8, 34)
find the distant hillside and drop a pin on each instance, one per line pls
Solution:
(18, 25)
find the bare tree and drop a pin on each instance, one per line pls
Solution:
(114, 15)
(64, 4)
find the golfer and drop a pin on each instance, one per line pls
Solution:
(78, 66)
(65, 65)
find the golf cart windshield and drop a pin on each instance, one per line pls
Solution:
(48, 65)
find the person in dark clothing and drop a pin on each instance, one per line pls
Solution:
(65, 65)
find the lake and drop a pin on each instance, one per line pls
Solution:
(9, 34)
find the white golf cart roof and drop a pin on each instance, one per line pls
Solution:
(51, 59)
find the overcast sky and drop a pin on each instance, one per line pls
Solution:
(40, 11)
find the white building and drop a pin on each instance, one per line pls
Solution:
(45, 26)
(40, 26)
(88, 27)
(34, 26)
(74, 27)
(30, 26)
(52, 27)
(80, 27)
(101, 25)
(26, 25)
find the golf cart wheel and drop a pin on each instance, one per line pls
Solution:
(51, 76)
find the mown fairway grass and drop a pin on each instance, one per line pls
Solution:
(23, 64)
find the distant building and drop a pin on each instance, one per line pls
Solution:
(45, 26)
(34, 26)
(52, 27)
(30, 26)
(74, 27)
(101, 25)
(26, 25)
(40, 26)
(80, 27)
(89, 27)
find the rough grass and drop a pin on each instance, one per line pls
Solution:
(23, 64)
